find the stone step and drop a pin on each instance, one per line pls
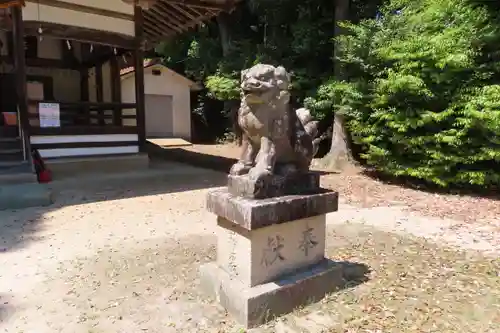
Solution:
(10, 143)
(12, 154)
(9, 131)
(16, 172)
(19, 196)
(11, 164)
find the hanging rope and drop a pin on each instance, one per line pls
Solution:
(40, 30)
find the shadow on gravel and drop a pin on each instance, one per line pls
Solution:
(5, 308)
(17, 228)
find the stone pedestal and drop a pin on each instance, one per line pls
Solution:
(270, 254)
(273, 185)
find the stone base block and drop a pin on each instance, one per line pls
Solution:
(252, 214)
(262, 255)
(254, 306)
(273, 185)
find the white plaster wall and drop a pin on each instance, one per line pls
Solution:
(168, 83)
(44, 13)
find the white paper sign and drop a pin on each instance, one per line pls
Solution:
(49, 114)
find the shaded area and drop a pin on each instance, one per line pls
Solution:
(354, 273)
(6, 309)
(415, 285)
(199, 159)
(153, 285)
(213, 162)
(20, 227)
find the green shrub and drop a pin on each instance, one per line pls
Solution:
(423, 94)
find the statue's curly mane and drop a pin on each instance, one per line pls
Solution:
(237, 130)
(270, 84)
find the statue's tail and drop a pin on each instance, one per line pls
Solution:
(310, 127)
(306, 119)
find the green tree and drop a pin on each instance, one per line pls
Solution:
(422, 95)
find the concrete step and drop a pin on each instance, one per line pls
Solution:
(114, 164)
(9, 131)
(10, 143)
(11, 154)
(12, 164)
(16, 173)
(19, 196)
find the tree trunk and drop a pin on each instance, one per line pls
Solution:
(223, 24)
(225, 41)
(340, 156)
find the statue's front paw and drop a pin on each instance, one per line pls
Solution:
(258, 173)
(239, 169)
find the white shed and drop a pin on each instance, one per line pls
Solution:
(167, 99)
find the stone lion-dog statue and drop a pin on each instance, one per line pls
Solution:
(276, 140)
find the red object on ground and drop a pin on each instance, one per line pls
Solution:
(45, 176)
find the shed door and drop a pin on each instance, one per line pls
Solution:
(159, 116)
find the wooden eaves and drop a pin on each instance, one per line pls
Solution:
(167, 18)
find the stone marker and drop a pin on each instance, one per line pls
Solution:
(271, 218)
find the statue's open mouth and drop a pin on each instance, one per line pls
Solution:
(252, 97)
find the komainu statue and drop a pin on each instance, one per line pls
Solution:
(276, 140)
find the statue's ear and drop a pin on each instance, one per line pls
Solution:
(280, 71)
(243, 73)
(282, 77)
(284, 96)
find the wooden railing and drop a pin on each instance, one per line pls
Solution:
(86, 118)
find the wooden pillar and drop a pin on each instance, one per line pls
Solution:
(99, 92)
(116, 90)
(84, 94)
(84, 83)
(139, 78)
(21, 85)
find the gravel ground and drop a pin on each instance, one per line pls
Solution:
(111, 256)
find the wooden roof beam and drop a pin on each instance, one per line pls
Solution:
(161, 22)
(161, 17)
(173, 15)
(152, 27)
(191, 12)
(179, 11)
(201, 4)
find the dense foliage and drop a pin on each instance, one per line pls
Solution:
(423, 95)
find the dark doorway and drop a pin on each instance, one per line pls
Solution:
(8, 106)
